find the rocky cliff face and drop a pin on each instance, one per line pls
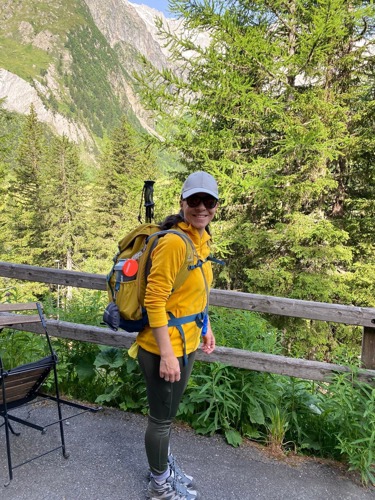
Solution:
(132, 25)
(19, 95)
(47, 79)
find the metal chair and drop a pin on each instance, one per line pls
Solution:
(21, 385)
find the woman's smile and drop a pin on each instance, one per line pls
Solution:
(198, 216)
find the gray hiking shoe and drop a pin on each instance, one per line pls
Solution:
(170, 490)
(179, 474)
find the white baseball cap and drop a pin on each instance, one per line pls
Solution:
(200, 182)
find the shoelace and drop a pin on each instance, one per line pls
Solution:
(176, 468)
(179, 489)
(182, 490)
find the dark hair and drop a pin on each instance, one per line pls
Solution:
(172, 221)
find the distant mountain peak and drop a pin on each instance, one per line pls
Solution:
(146, 11)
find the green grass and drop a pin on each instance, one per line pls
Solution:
(55, 16)
(26, 61)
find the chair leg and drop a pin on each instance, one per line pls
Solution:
(61, 425)
(7, 439)
(28, 424)
(7, 426)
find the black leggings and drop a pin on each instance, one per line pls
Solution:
(163, 399)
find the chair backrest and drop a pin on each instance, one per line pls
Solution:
(16, 319)
(21, 384)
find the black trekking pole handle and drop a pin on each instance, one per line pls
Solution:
(148, 194)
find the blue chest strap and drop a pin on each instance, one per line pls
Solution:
(178, 322)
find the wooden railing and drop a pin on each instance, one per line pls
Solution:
(311, 370)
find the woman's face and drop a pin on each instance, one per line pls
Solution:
(198, 210)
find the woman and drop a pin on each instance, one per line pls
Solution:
(162, 348)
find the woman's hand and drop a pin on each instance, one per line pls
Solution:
(169, 366)
(208, 340)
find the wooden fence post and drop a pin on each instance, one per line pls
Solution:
(368, 348)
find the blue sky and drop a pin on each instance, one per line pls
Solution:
(160, 5)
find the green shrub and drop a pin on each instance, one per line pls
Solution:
(350, 413)
(229, 400)
(244, 330)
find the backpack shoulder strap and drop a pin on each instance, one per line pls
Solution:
(191, 259)
(145, 261)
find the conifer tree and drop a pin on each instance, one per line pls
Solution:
(65, 206)
(24, 226)
(273, 107)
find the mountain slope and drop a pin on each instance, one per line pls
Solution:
(73, 60)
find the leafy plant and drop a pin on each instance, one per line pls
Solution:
(276, 429)
(350, 410)
(17, 348)
(232, 401)
(301, 403)
(244, 330)
(84, 306)
(124, 383)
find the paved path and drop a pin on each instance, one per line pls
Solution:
(107, 461)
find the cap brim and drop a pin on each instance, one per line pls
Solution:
(190, 192)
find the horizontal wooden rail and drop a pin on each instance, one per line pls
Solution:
(25, 306)
(13, 319)
(270, 363)
(52, 275)
(337, 313)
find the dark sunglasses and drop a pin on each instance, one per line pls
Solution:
(195, 200)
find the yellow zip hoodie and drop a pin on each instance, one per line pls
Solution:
(191, 297)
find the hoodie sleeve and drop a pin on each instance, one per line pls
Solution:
(167, 259)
